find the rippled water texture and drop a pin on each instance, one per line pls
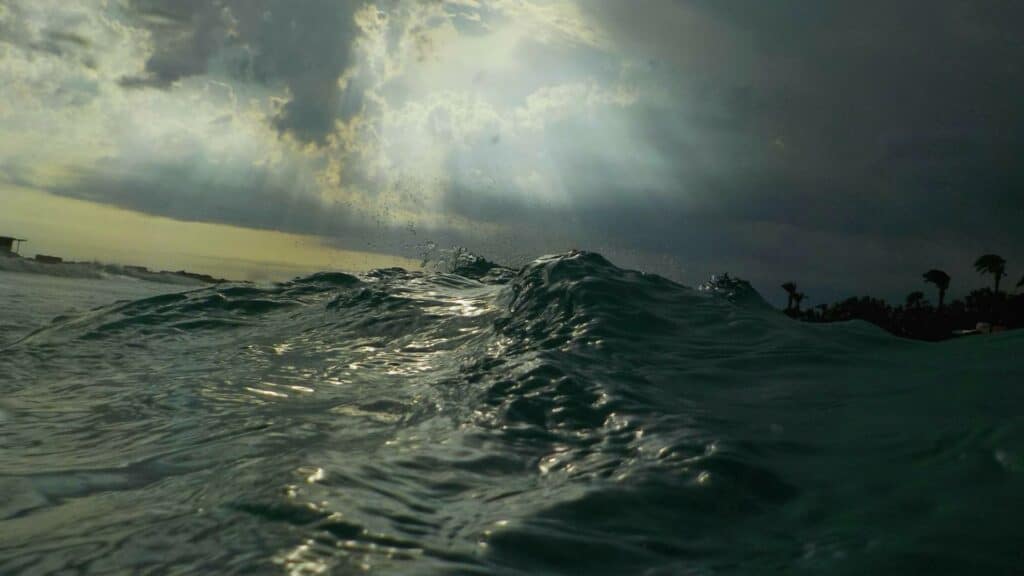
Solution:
(570, 417)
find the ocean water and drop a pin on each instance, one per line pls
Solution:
(569, 417)
(31, 301)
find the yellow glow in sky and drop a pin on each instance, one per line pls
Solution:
(81, 230)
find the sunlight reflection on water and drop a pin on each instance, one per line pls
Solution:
(404, 424)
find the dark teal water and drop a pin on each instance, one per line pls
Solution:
(566, 418)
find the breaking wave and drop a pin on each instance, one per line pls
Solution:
(566, 417)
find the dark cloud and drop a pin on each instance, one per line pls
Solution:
(185, 34)
(889, 124)
(845, 145)
(308, 46)
(304, 46)
(192, 185)
(195, 189)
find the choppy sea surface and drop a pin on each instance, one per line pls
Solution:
(569, 417)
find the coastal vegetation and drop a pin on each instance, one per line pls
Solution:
(982, 310)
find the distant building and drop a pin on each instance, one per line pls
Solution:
(9, 246)
(43, 258)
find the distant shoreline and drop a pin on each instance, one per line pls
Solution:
(54, 266)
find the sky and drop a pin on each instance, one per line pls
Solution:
(846, 146)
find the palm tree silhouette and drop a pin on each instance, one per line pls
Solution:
(790, 289)
(914, 299)
(941, 281)
(991, 264)
(797, 299)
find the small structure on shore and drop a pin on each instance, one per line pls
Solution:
(43, 258)
(9, 245)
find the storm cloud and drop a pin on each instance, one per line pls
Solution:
(304, 46)
(848, 146)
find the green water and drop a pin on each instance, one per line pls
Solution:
(567, 418)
